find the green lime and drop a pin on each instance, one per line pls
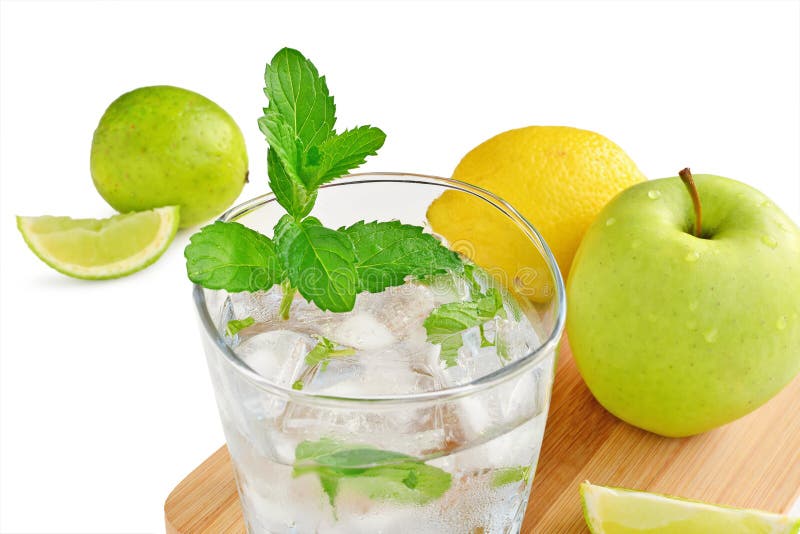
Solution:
(101, 248)
(621, 511)
(166, 146)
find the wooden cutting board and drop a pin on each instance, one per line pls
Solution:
(753, 462)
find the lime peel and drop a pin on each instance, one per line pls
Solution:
(97, 249)
(609, 510)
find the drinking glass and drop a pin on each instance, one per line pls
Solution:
(454, 454)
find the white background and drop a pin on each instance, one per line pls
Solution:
(106, 404)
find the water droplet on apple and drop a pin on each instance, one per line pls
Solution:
(711, 335)
(781, 323)
(692, 256)
(765, 204)
(654, 194)
(769, 241)
(693, 306)
(610, 221)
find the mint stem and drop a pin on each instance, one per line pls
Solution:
(342, 352)
(286, 301)
(686, 176)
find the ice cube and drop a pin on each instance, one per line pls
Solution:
(360, 330)
(388, 371)
(262, 306)
(401, 309)
(277, 355)
(448, 287)
(515, 339)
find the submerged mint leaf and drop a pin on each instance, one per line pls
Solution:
(324, 351)
(320, 262)
(309, 450)
(507, 475)
(376, 473)
(330, 485)
(484, 341)
(228, 255)
(298, 385)
(448, 322)
(387, 252)
(236, 325)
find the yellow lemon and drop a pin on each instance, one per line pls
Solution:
(559, 178)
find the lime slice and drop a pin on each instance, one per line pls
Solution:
(621, 511)
(101, 248)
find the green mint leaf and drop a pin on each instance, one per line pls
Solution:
(324, 351)
(237, 325)
(330, 485)
(359, 458)
(298, 385)
(310, 450)
(387, 252)
(299, 118)
(299, 95)
(282, 141)
(346, 151)
(376, 473)
(320, 262)
(289, 192)
(305, 151)
(230, 256)
(508, 475)
(478, 278)
(407, 482)
(503, 348)
(484, 341)
(448, 322)
(450, 343)
(472, 273)
(411, 480)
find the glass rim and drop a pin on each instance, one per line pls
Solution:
(481, 383)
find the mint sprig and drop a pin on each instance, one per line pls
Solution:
(376, 473)
(446, 323)
(305, 150)
(327, 267)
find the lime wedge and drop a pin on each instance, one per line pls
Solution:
(101, 248)
(621, 511)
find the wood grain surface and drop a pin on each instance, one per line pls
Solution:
(753, 462)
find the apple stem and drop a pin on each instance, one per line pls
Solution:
(686, 176)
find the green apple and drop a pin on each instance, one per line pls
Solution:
(675, 333)
(166, 146)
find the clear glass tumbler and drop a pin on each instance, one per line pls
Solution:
(433, 451)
